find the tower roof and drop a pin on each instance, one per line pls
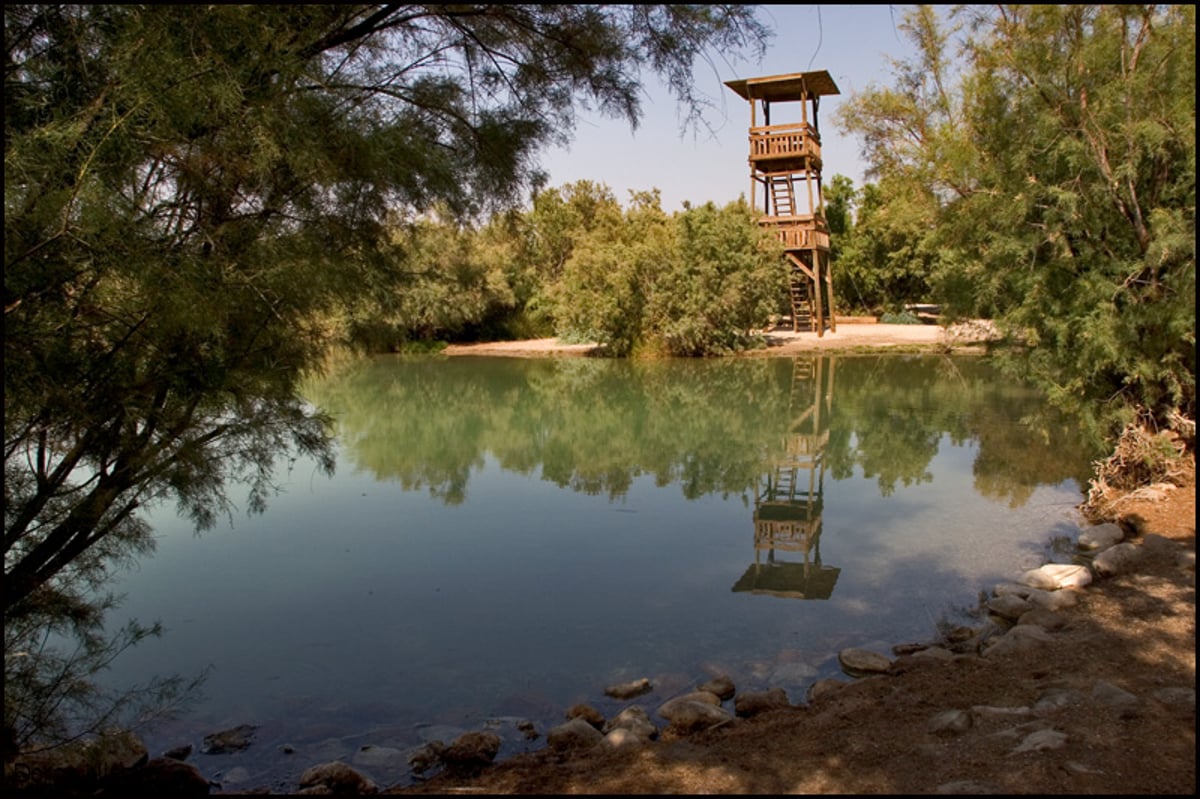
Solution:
(780, 88)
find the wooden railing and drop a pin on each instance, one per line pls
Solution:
(784, 141)
(798, 232)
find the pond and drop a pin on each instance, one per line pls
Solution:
(506, 537)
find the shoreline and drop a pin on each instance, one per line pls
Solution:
(965, 337)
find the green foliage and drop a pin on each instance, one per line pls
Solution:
(901, 318)
(726, 279)
(1060, 186)
(694, 283)
(885, 259)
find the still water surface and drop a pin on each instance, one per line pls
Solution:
(506, 537)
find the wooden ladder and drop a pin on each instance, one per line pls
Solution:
(782, 196)
(802, 301)
(785, 484)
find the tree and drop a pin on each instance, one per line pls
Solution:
(1063, 172)
(725, 280)
(189, 189)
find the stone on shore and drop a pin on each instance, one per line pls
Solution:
(863, 662)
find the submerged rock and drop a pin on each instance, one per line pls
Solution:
(587, 713)
(231, 740)
(722, 686)
(628, 690)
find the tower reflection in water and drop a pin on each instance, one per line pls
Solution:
(788, 501)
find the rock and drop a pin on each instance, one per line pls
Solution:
(1055, 576)
(1046, 619)
(1101, 536)
(1052, 600)
(1056, 699)
(629, 690)
(861, 662)
(754, 702)
(1009, 607)
(231, 740)
(527, 729)
(335, 777)
(1180, 699)
(1117, 560)
(621, 738)
(472, 750)
(587, 713)
(426, 756)
(575, 734)
(704, 697)
(1018, 639)
(823, 688)
(689, 715)
(950, 722)
(179, 752)
(1112, 695)
(958, 635)
(1042, 740)
(993, 713)
(635, 719)
(722, 687)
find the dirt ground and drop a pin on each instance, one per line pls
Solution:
(1043, 719)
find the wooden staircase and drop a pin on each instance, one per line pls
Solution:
(802, 300)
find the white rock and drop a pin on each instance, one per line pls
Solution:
(1053, 576)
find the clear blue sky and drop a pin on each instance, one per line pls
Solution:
(851, 42)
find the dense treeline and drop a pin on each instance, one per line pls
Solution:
(580, 266)
(1043, 173)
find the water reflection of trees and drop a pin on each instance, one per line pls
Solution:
(595, 425)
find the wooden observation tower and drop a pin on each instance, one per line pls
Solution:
(785, 161)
